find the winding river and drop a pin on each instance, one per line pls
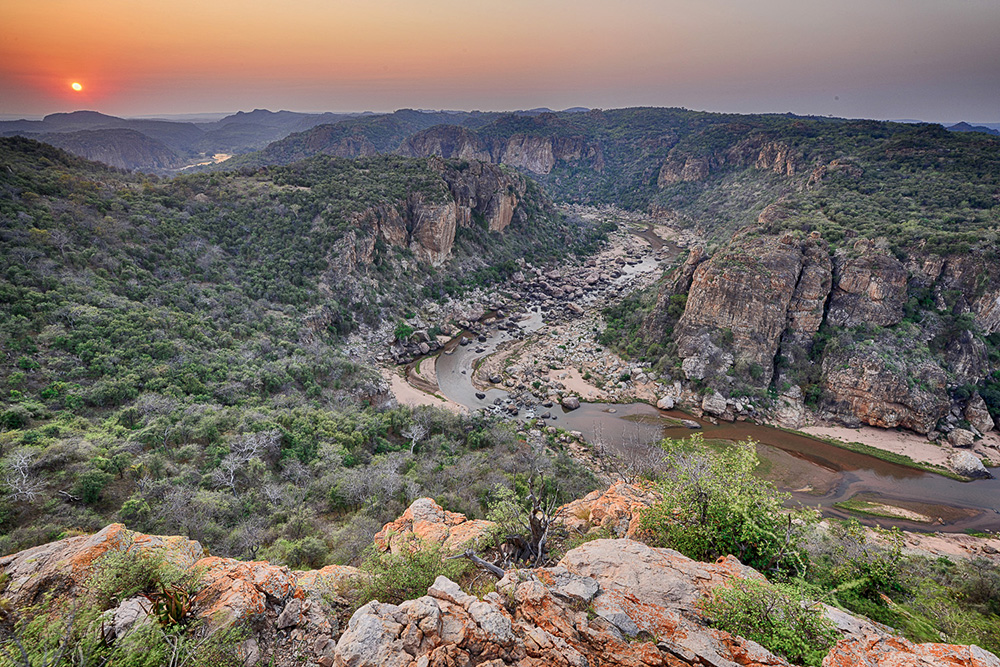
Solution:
(814, 472)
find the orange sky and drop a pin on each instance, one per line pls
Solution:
(931, 59)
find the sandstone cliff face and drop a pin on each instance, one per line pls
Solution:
(754, 309)
(426, 224)
(485, 190)
(870, 288)
(865, 384)
(755, 151)
(446, 141)
(741, 301)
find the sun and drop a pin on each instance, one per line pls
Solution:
(76, 86)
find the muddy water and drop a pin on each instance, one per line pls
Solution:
(814, 472)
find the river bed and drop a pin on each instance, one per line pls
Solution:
(815, 472)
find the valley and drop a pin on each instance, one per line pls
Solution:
(288, 357)
(537, 350)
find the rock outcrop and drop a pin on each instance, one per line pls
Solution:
(615, 510)
(643, 604)
(738, 307)
(754, 151)
(755, 310)
(59, 567)
(426, 223)
(898, 652)
(868, 289)
(426, 522)
(535, 152)
(608, 602)
(883, 386)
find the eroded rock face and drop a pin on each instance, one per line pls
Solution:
(537, 153)
(737, 308)
(426, 223)
(484, 190)
(868, 289)
(863, 385)
(424, 521)
(447, 141)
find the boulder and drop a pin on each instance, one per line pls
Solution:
(967, 464)
(665, 403)
(978, 415)
(714, 404)
(424, 521)
(617, 509)
(570, 402)
(960, 437)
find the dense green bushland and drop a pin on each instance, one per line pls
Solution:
(159, 365)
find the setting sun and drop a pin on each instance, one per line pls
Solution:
(76, 86)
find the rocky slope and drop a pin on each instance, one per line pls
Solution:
(608, 602)
(837, 329)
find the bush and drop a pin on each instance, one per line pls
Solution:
(713, 506)
(776, 617)
(395, 578)
(119, 575)
(90, 485)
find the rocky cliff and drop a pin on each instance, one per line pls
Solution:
(840, 329)
(607, 602)
(536, 153)
(426, 223)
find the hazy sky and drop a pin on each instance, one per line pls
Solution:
(925, 59)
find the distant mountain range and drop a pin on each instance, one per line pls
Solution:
(262, 137)
(154, 145)
(173, 142)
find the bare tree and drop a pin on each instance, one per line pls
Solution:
(415, 432)
(20, 477)
(227, 474)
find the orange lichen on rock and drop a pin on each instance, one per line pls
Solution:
(62, 566)
(426, 522)
(616, 509)
(890, 651)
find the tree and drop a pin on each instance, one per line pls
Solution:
(713, 506)
(20, 478)
(415, 432)
(524, 524)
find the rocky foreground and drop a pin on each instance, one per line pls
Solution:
(607, 602)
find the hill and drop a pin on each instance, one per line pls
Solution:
(140, 314)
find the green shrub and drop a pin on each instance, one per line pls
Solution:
(397, 577)
(774, 616)
(90, 485)
(713, 506)
(125, 573)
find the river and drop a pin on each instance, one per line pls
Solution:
(816, 473)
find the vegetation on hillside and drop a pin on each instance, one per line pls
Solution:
(159, 366)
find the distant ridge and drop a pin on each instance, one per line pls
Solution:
(966, 127)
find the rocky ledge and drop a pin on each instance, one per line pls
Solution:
(607, 602)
